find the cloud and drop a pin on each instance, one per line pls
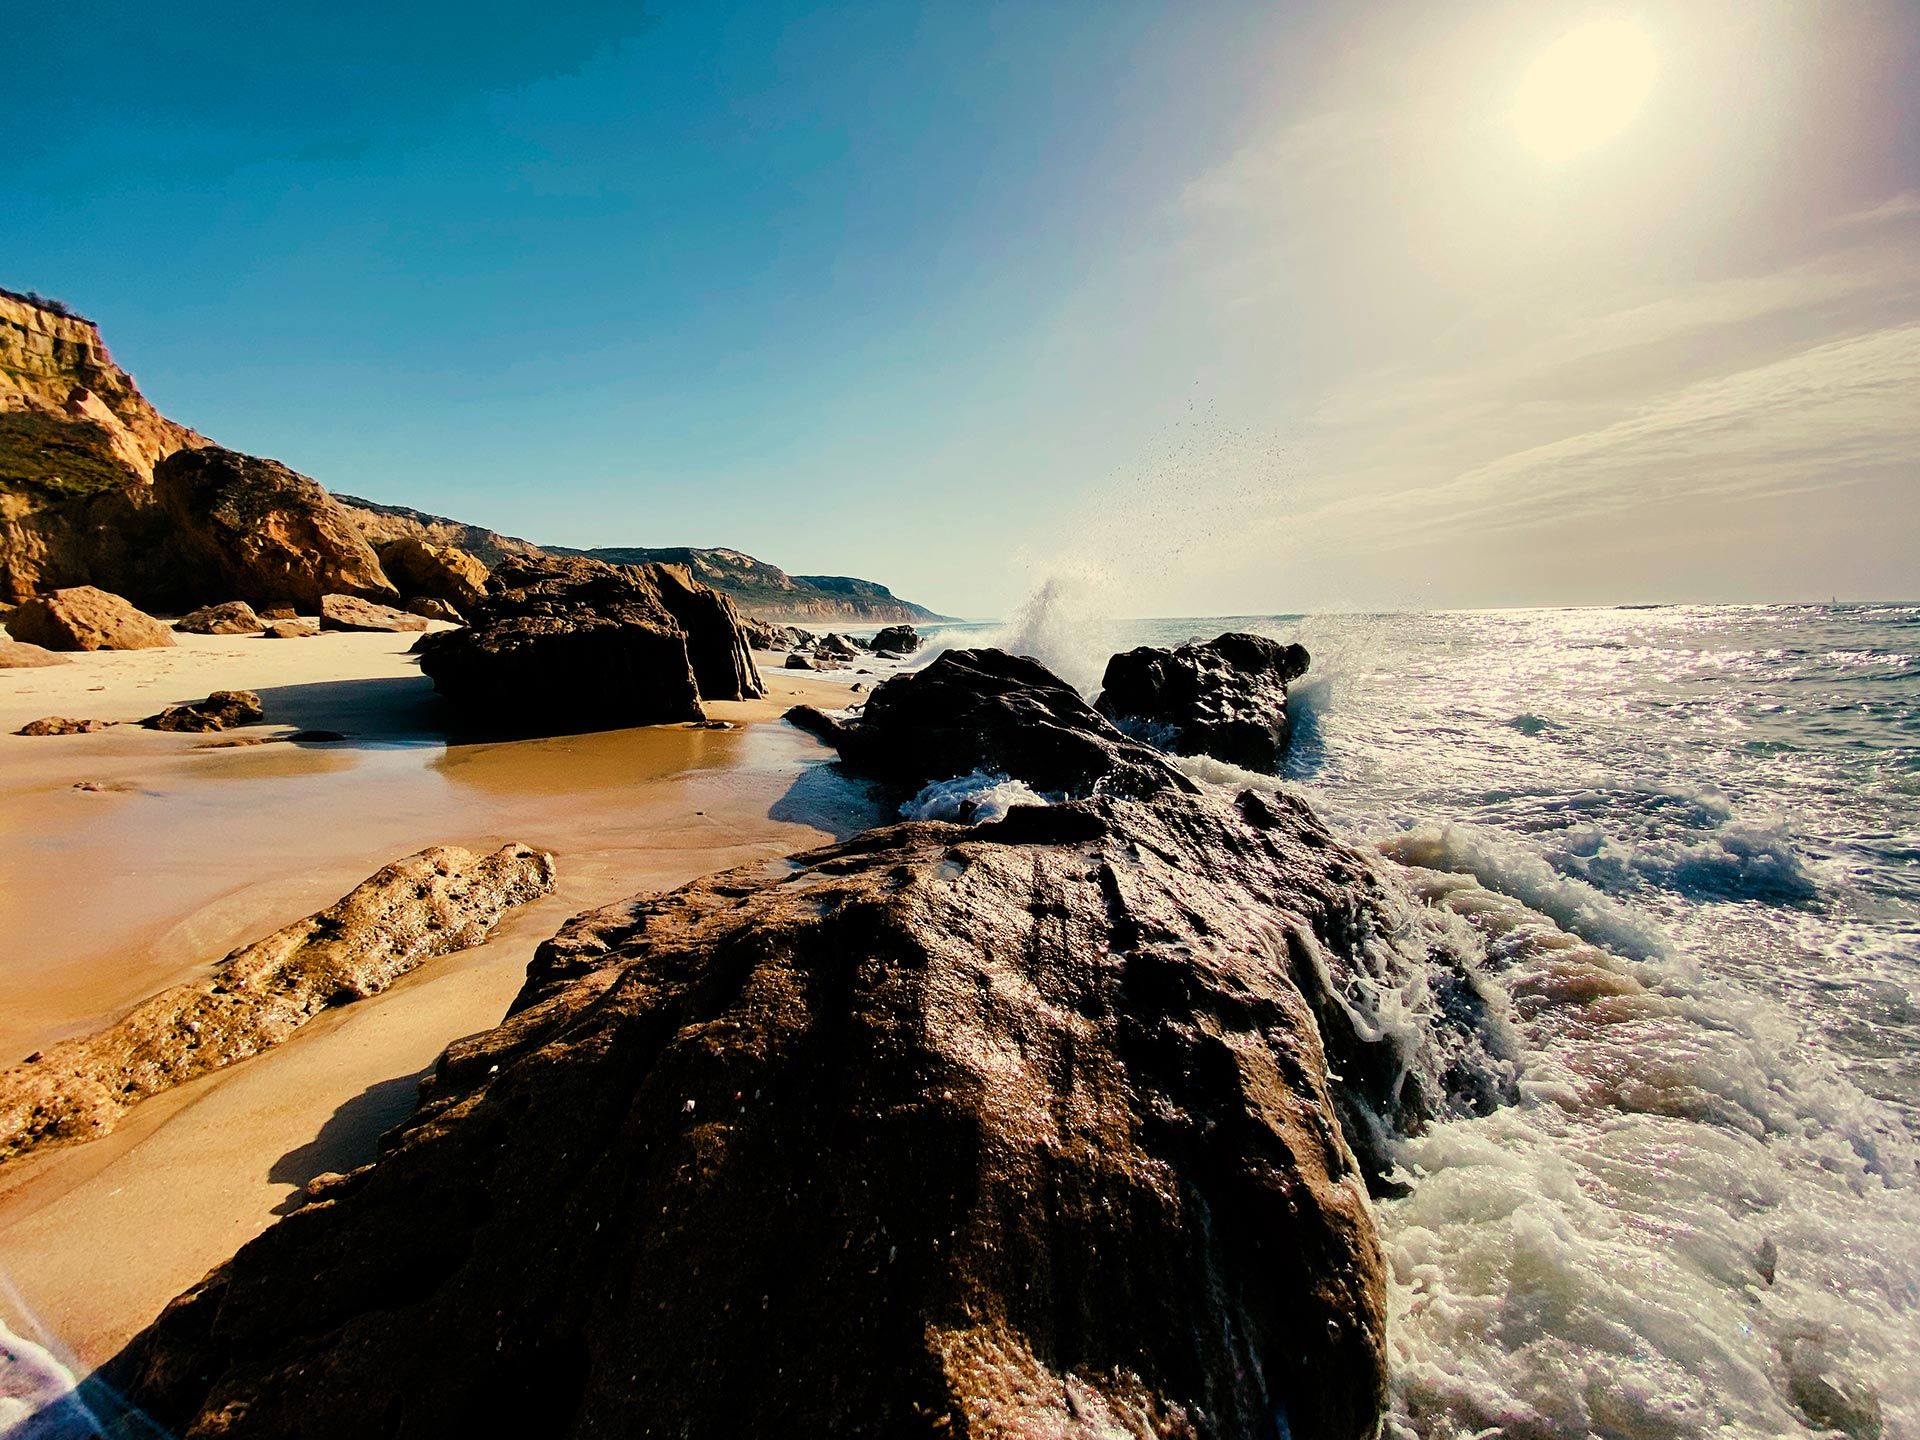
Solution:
(1832, 414)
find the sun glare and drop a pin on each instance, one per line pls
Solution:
(1585, 89)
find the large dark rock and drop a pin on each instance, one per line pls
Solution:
(562, 644)
(253, 529)
(897, 640)
(1024, 1128)
(997, 714)
(1225, 697)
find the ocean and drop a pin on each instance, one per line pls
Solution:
(1702, 1215)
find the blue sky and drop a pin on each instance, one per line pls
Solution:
(1216, 308)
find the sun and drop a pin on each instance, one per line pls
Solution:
(1585, 89)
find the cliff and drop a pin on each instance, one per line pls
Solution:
(767, 592)
(72, 421)
(383, 524)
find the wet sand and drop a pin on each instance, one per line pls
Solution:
(186, 850)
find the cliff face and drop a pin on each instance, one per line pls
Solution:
(767, 592)
(383, 524)
(55, 365)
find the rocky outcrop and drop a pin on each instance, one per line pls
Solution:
(1017, 1129)
(768, 592)
(54, 364)
(429, 904)
(235, 617)
(897, 640)
(564, 644)
(16, 655)
(348, 612)
(254, 529)
(762, 635)
(86, 618)
(219, 711)
(1225, 697)
(424, 571)
(430, 609)
(295, 629)
(383, 524)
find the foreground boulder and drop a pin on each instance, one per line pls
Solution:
(347, 612)
(1024, 1128)
(425, 571)
(235, 617)
(897, 640)
(85, 618)
(219, 711)
(252, 528)
(429, 904)
(1225, 697)
(563, 643)
(295, 629)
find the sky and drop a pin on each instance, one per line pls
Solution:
(1218, 308)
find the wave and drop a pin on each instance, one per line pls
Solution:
(978, 798)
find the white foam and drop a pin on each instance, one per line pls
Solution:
(31, 1379)
(978, 799)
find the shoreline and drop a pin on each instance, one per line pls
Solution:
(189, 849)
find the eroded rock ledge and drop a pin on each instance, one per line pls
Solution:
(1022, 1128)
(440, 900)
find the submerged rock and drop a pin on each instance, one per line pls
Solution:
(347, 612)
(429, 904)
(563, 644)
(1225, 697)
(897, 640)
(221, 709)
(85, 618)
(235, 617)
(252, 528)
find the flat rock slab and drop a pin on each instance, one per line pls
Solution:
(16, 655)
(349, 612)
(440, 900)
(84, 617)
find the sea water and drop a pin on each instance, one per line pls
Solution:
(1685, 844)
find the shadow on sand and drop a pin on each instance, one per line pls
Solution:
(349, 1139)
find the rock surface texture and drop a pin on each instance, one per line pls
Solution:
(62, 725)
(1017, 1129)
(425, 571)
(85, 618)
(252, 528)
(295, 629)
(349, 612)
(235, 617)
(437, 901)
(1225, 697)
(562, 644)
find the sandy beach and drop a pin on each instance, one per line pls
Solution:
(137, 859)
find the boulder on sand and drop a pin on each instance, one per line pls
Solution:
(434, 572)
(797, 661)
(16, 655)
(85, 618)
(427, 608)
(295, 629)
(897, 640)
(564, 643)
(62, 725)
(347, 612)
(1017, 1129)
(252, 528)
(1225, 697)
(429, 904)
(219, 711)
(235, 617)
